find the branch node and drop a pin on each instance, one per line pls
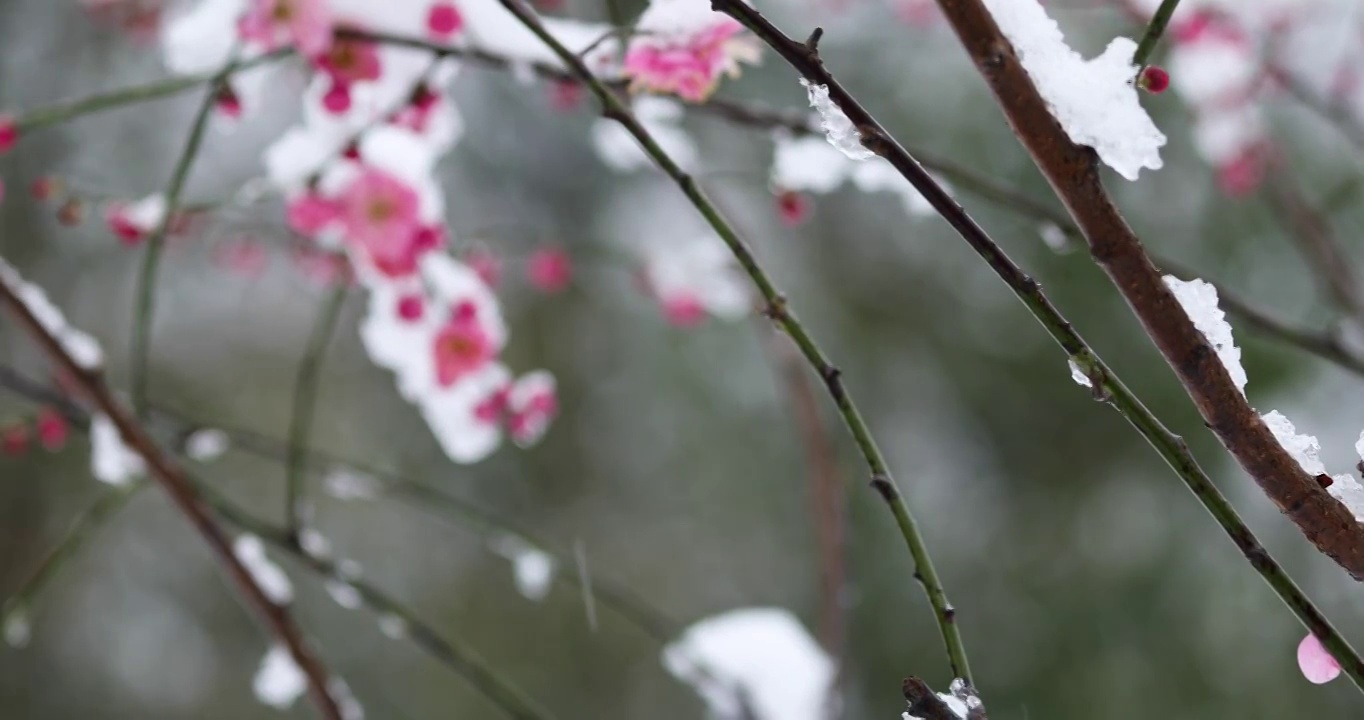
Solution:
(812, 42)
(776, 308)
(882, 485)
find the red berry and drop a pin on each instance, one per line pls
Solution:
(1154, 79)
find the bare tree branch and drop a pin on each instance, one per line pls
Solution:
(1073, 172)
(1106, 385)
(276, 617)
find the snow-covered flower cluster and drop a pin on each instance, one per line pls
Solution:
(757, 663)
(694, 278)
(358, 177)
(683, 48)
(814, 165)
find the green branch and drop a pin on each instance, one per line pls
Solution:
(151, 257)
(305, 404)
(51, 115)
(1107, 386)
(1153, 33)
(782, 315)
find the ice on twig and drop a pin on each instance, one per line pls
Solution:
(840, 130)
(1078, 374)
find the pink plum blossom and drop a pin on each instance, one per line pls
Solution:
(309, 213)
(305, 24)
(227, 102)
(484, 262)
(565, 96)
(695, 278)
(683, 310)
(793, 208)
(444, 20)
(349, 61)
(243, 256)
(462, 346)
(379, 216)
(52, 428)
(9, 133)
(549, 270)
(531, 403)
(684, 48)
(131, 222)
(1317, 665)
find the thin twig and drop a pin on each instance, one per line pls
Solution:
(462, 659)
(459, 512)
(447, 652)
(145, 309)
(1107, 385)
(1336, 114)
(1154, 31)
(183, 494)
(749, 115)
(51, 115)
(80, 532)
(304, 407)
(1073, 172)
(1317, 241)
(776, 307)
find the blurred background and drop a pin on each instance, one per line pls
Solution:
(1088, 582)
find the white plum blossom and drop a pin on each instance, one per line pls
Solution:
(694, 277)
(346, 483)
(1199, 300)
(207, 444)
(111, 461)
(1094, 100)
(279, 680)
(17, 629)
(532, 568)
(756, 660)
(811, 165)
(271, 578)
(660, 117)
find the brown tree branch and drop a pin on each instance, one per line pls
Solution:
(1073, 172)
(276, 617)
